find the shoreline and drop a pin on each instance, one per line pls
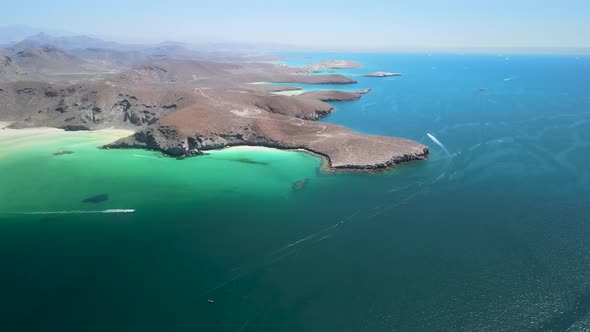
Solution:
(326, 162)
(7, 132)
(326, 165)
(22, 138)
(42, 133)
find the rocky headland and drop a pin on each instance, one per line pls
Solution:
(185, 107)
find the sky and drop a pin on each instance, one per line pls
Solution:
(322, 24)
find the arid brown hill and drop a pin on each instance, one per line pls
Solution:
(9, 71)
(48, 59)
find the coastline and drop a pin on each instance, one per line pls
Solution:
(40, 136)
(326, 164)
(186, 121)
(12, 140)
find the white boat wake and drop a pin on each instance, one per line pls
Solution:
(437, 142)
(83, 212)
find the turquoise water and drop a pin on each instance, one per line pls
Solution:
(492, 236)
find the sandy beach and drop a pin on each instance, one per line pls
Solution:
(17, 139)
(289, 92)
(244, 148)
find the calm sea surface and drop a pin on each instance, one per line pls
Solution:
(491, 233)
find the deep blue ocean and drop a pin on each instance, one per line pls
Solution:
(491, 233)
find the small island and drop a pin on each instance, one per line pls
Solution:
(382, 74)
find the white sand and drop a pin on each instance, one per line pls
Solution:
(245, 148)
(46, 132)
(289, 92)
(28, 133)
(14, 140)
(4, 124)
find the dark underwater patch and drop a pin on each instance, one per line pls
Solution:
(96, 199)
(299, 184)
(250, 161)
(244, 161)
(63, 152)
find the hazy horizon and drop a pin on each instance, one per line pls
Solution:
(425, 25)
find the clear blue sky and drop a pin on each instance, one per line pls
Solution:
(379, 24)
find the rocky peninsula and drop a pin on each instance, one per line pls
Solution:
(187, 107)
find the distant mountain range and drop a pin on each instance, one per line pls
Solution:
(21, 36)
(15, 33)
(43, 53)
(64, 42)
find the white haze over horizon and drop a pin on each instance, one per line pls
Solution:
(378, 25)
